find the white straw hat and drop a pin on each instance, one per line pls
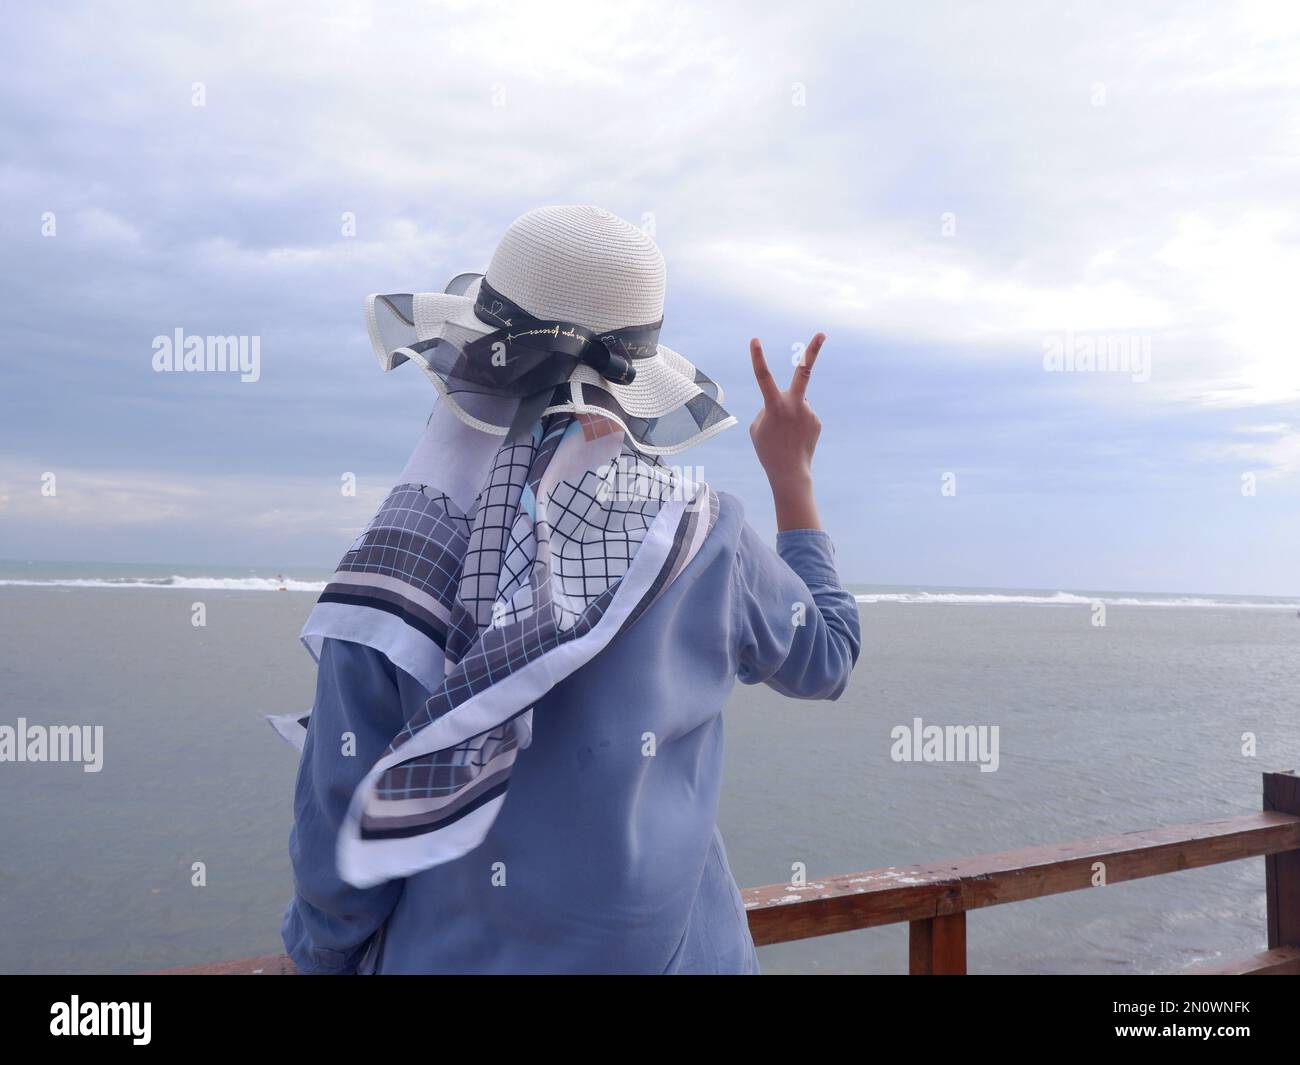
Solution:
(593, 284)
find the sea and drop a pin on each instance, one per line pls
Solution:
(1114, 711)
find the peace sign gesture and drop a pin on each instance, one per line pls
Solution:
(785, 435)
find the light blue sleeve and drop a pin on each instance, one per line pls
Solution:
(798, 629)
(359, 692)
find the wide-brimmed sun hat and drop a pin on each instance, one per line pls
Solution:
(566, 318)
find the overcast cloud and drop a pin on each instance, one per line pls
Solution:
(947, 190)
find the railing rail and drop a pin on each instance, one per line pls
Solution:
(933, 899)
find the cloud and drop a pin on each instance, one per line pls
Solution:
(1238, 278)
(1108, 170)
(93, 501)
(1275, 454)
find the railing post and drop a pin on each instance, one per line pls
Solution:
(1282, 871)
(936, 946)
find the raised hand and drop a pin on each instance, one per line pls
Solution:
(784, 435)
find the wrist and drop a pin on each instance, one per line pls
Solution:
(790, 482)
(796, 507)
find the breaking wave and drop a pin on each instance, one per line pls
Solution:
(230, 584)
(1065, 599)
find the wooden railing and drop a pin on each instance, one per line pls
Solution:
(935, 898)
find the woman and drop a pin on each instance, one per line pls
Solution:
(514, 756)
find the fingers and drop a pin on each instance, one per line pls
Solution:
(766, 382)
(803, 371)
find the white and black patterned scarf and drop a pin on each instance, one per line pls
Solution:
(572, 537)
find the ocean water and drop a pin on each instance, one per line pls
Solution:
(1102, 729)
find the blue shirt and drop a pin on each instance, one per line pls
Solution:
(606, 858)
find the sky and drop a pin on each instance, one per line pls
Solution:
(956, 194)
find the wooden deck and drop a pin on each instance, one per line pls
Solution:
(934, 898)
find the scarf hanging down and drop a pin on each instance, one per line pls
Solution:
(572, 537)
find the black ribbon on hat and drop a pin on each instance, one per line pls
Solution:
(611, 354)
(528, 357)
